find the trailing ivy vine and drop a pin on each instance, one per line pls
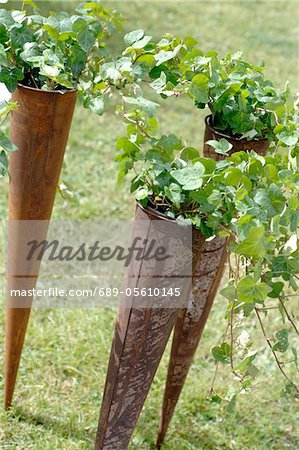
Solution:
(6, 145)
(251, 200)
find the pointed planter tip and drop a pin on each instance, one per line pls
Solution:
(39, 128)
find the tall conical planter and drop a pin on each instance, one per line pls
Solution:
(39, 128)
(141, 334)
(191, 321)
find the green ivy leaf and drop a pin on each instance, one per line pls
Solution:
(282, 341)
(97, 105)
(221, 353)
(229, 293)
(201, 80)
(86, 39)
(3, 163)
(11, 77)
(60, 22)
(190, 178)
(281, 267)
(249, 291)
(169, 143)
(3, 57)
(277, 288)
(222, 146)
(49, 71)
(129, 147)
(173, 192)
(143, 193)
(148, 106)
(164, 56)
(63, 79)
(215, 198)
(6, 144)
(159, 83)
(288, 138)
(133, 36)
(254, 245)
(3, 37)
(272, 199)
(77, 60)
(233, 176)
(142, 42)
(246, 366)
(189, 153)
(19, 36)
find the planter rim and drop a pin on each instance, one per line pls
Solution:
(68, 91)
(228, 136)
(152, 212)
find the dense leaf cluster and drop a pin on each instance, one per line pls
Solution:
(63, 51)
(243, 103)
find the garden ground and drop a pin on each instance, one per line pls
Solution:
(62, 373)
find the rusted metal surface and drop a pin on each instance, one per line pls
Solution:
(141, 335)
(39, 128)
(260, 146)
(191, 321)
(190, 324)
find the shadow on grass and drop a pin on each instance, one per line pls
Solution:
(61, 429)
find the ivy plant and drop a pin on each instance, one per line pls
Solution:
(62, 51)
(242, 101)
(251, 200)
(6, 146)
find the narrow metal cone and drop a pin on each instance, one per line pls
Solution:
(39, 128)
(191, 321)
(189, 326)
(141, 335)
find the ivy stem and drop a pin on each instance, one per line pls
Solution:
(136, 123)
(273, 351)
(288, 315)
(230, 232)
(214, 378)
(34, 82)
(231, 324)
(266, 308)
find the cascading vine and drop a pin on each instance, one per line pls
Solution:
(249, 199)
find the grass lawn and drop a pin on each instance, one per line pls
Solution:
(63, 367)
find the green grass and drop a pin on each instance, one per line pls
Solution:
(63, 367)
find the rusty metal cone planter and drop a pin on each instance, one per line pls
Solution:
(39, 128)
(189, 326)
(141, 334)
(260, 146)
(191, 321)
